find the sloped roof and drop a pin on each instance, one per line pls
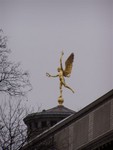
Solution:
(70, 119)
(59, 110)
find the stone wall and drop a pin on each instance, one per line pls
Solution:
(86, 129)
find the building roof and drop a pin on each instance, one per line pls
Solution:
(55, 111)
(64, 123)
(58, 111)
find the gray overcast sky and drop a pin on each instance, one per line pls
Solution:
(38, 30)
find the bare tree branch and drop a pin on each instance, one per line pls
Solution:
(13, 80)
(13, 132)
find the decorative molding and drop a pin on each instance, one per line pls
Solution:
(71, 132)
(90, 134)
(111, 115)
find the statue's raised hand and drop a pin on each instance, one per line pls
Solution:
(48, 75)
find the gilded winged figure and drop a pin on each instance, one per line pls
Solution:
(64, 73)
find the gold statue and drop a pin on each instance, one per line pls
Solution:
(64, 73)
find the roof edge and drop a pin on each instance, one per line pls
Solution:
(72, 118)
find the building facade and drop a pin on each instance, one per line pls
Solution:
(89, 129)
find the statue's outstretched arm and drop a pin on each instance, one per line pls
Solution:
(48, 75)
(61, 60)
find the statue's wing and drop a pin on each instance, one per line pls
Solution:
(68, 65)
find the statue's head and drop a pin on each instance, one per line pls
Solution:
(58, 69)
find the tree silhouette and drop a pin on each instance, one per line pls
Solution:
(13, 80)
(13, 132)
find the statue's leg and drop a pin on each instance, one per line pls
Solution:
(68, 87)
